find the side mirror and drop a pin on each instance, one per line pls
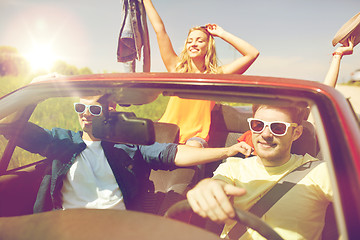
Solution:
(124, 127)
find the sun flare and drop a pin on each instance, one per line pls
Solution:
(41, 57)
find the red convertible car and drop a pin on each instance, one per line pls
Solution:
(332, 133)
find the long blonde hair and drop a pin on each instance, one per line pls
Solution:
(211, 66)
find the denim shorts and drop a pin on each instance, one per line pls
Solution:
(203, 143)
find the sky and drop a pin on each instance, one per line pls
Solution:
(293, 36)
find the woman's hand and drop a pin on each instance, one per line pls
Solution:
(214, 29)
(241, 147)
(347, 50)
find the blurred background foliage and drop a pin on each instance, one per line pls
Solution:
(15, 72)
(12, 62)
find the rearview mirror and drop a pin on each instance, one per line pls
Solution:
(124, 127)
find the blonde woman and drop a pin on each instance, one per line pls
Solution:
(198, 56)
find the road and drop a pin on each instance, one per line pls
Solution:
(353, 93)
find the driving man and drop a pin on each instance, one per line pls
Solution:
(85, 172)
(238, 182)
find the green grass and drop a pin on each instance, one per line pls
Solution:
(11, 83)
(152, 111)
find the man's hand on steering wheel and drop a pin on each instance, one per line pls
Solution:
(210, 198)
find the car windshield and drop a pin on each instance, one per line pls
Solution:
(99, 100)
(229, 120)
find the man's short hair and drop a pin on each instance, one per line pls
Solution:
(297, 113)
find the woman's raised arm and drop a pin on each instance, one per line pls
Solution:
(333, 72)
(167, 52)
(249, 52)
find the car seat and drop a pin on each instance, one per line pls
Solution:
(170, 186)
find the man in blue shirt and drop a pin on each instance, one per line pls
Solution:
(85, 172)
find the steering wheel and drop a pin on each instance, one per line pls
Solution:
(246, 218)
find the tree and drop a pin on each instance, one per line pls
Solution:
(11, 62)
(85, 71)
(63, 68)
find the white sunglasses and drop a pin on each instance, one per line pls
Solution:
(93, 109)
(277, 128)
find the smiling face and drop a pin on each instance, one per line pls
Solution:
(197, 44)
(85, 118)
(274, 150)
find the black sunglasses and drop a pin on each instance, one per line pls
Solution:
(277, 128)
(93, 109)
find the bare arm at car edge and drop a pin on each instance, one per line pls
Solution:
(333, 72)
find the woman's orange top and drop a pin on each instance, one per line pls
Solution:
(192, 116)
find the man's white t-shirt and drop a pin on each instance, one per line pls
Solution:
(90, 182)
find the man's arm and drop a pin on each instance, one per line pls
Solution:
(32, 138)
(210, 198)
(189, 156)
